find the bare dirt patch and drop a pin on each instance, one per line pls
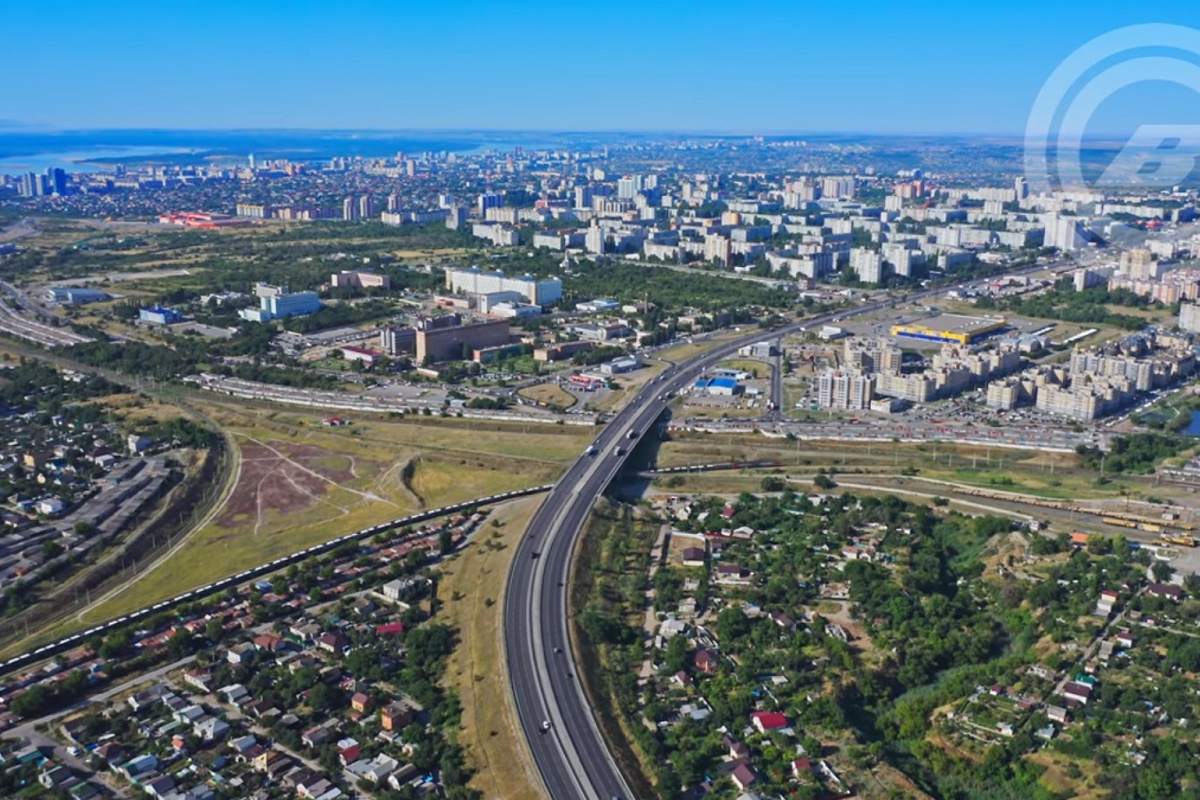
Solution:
(282, 477)
(549, 394)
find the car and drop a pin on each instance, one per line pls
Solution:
(558, 649)
(534, 554)
(545, 725)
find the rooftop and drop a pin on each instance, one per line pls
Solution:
(958, 323)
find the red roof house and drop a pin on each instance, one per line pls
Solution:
(768, 721)
(389, 629)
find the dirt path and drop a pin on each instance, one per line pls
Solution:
(291, 461)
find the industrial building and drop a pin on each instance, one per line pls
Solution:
(759, 350)
(487, 355)
(598, 306)
(157, 315)
(558, 352)
(719, 387)
(620, 365)
(202, 219)
(509, 310)
(951, 329)
(74, 296)
(359, 279)
(278, 302)
(394, 341)
(353, 353)
(453, 342)
(473, 281)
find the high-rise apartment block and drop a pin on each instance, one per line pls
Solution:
(845, 390)
(1189, 317)
(488, 200)
(1139, 265)
(867, 265)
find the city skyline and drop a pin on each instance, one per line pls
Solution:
(698, 68)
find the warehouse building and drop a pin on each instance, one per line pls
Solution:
(74, 296)
(157, 315)
(951, 329)
(719, 387)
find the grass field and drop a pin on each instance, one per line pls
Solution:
(136, 408)
(461, 437)
(300, 484)
(793, 391)
(1148, 314)
(1088, 785)
(682, 352)
(760, 368)
(473, 585)
(1047, 475)
(716, 412)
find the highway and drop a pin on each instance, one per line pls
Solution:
(14, 324)
(568, 749)
(570, 754)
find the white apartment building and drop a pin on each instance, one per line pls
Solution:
(1065, 233)
(845, 390)
(1189, 317)
(867, 264)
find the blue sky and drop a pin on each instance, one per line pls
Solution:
(739, 67)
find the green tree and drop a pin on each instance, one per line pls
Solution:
(675, 656)
(824, 482)
(773, 483)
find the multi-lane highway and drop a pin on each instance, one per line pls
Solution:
(569, 752)
(15, 324)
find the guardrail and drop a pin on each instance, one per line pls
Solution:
(713, 467)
